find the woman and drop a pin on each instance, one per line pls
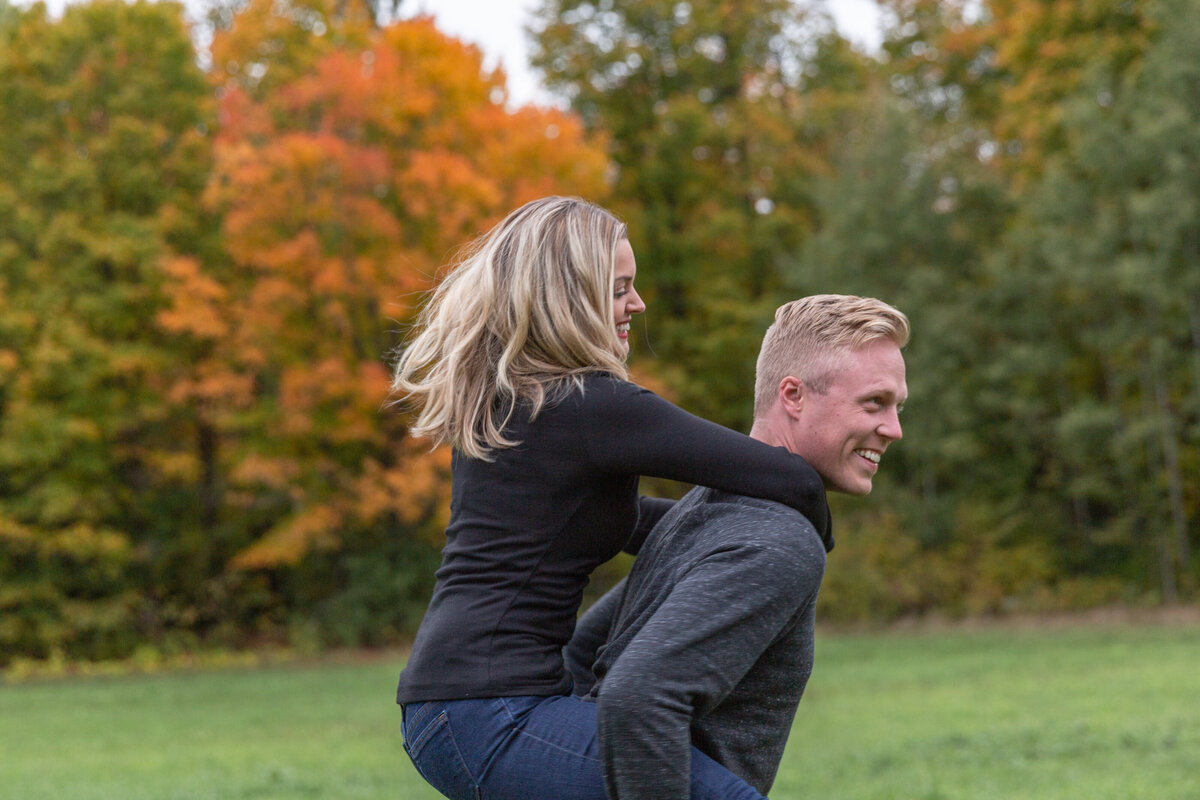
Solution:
(519, 364)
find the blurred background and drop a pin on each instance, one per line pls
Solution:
(217, 220)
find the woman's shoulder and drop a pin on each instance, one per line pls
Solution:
(589, 387)
(606, 380)
(602, 388)
(597, 396)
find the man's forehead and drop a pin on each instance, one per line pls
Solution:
(876, 366)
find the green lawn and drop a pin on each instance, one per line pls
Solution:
(1090, 713)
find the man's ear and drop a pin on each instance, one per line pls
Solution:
(791, 396)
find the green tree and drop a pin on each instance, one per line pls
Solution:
(1054, 410)
(1007, 69)
(1111, 234)
(907, 219)
(105, 117)
(717, 114)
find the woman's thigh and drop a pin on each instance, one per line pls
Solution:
(517, 748)
(512, 748)
(550, 752)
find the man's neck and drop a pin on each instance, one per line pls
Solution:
(765, 432)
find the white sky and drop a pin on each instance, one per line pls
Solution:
(497, 27)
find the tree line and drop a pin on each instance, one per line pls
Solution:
(206, 264)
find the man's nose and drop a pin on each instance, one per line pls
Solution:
(890, 428)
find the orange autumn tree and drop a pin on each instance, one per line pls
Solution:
(341, 191)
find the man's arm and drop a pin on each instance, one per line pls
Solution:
(650, 511)
(698, 644)
(591, 632)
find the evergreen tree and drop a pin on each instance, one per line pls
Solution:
(1111, 238)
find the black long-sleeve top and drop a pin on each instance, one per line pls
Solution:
(527, 529)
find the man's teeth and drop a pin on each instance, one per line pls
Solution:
(869, 455)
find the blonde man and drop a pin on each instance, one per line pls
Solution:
(710, 640)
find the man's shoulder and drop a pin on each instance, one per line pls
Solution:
(769, 516)
(721, 520)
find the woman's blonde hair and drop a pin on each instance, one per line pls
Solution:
(526, 310)
(811, 335)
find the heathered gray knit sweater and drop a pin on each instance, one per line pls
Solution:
(712, 645)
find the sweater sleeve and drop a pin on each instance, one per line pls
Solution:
(650, 511)
(695, 648)
(632, 430)
(591, 633)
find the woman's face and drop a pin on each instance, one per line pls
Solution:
(626, 301)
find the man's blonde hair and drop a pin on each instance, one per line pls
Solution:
(810, 336)
(527, 309)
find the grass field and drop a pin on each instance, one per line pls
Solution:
(1102, 713)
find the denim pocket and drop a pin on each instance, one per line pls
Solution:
(418, 725)
(430, 744)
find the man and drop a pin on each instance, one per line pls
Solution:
(710, 639)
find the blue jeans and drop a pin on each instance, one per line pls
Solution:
(528, 748)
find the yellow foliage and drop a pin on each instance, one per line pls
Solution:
(180, 466)
(83, 542)
(277, 473)
(409, 491)
(13, 534)
(83, 429)
(292, 539)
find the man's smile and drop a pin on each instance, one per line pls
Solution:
(870, 455)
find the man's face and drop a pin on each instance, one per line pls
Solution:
(844, 432)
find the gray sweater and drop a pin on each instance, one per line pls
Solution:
(711, 644)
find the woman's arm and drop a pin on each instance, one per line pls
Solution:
(629, 429)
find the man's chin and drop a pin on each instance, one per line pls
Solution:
(852, 488)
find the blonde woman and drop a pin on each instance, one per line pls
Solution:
(519, 364)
